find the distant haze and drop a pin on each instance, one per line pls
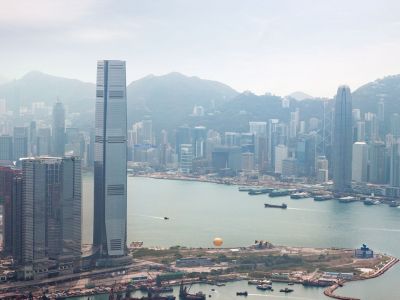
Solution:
(263, 46)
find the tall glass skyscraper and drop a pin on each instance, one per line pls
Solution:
(58, 129)
(109, 228)
(342, 140)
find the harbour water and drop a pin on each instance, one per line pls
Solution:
(199, 212)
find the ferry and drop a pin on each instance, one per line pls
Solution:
(323, 197)
(279, 193)
(300, 195)
(370, 201)
(283, 205)
(259, 282)
(347, 199)
(264, 287)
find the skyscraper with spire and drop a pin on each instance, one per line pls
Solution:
(342, 140)
(109, 228)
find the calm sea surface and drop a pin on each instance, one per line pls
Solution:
(199, 212)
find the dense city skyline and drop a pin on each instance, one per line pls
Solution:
(261, 46)
(172, 149)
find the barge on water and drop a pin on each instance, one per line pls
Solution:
(283, 205)
(184, 294)
(259, 191)
(245, 188)
(279, 193)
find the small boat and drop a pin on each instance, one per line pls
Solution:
(166, 218)
(242, 293)
(290, 283)
(393, 204)
(253, 282)
(264, 287)
(300, 195)
(286, 290)
(283, 205)
(220, 284)
(368, 201)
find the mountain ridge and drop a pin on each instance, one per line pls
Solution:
(169, 99)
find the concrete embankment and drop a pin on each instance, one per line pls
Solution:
(330, 290)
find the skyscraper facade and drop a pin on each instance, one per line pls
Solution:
(7, 175)
(50, 208)
(342, 140)
(6, 147)
(58, 133)
(20, 142)
(109, 228)
(360, 162)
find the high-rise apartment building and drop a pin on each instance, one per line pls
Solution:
(342, 140)
(50, 208)
(110, 194)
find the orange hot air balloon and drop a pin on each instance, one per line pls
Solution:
(218, 242)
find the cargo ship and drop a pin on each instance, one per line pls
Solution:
(300, 195)
(283, 205)
(279, 193)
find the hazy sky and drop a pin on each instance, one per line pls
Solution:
(262, 46)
